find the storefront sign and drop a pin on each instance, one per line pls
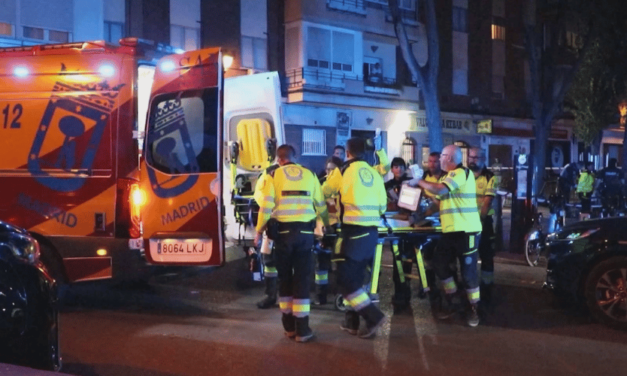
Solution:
(484, 126)
(448, 125)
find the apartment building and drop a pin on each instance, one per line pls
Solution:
(28, 22)
(341, 65)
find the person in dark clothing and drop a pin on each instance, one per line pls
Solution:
(568, 179)
(610, 182)
(393, 186)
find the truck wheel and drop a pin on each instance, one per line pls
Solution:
(605, 292)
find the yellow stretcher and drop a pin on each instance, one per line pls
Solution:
(393, 232)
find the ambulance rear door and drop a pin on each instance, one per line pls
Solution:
(180, 170)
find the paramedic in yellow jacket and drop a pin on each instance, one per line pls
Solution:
(362, 200)
(290, 195)
(324, 251)
(461, 228)
(585, 186)
(485, 181)
(270, 273)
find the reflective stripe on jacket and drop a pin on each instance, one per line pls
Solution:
(458, 208)
(362, 193)
(290, 193)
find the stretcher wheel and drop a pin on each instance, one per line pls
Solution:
(339, 303)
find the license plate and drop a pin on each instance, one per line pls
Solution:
(181, 250)
(136, 243)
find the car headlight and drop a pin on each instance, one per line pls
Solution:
(23, 246)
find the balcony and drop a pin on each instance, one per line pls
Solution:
(316, 78)
(350, 6)
(311, 84)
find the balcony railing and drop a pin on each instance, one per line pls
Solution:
(352, 6)
(333, 80)
(310, 77)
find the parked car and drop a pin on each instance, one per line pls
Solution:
(29, 332)
(588, 259)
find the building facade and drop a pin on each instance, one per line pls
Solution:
(342, 69)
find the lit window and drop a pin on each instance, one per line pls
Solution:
(314, 142)
(6, 29)
(498, 32)
(33, 33)
(58, 36)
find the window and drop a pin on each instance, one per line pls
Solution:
(407, 4)
(498, 32)
(254, 53)
(314, 142)
(58, 36)
(572, 39)
(6, 29)
(403, 4)
(186, 38)
(113, 32)
(182, 132)
(33, 33)
(460, 19)
(329, 49)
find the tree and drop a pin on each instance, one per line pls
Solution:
(553, 63)
(426, 75)
(592, 99)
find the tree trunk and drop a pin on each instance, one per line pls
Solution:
(427, 75)
(434, 122)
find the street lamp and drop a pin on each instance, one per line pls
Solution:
(227, 61)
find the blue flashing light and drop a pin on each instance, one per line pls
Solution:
(168, 66)
(106, 70)
(21, 72)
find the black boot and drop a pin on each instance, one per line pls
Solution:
(289, 325)
(485, 292)
(321, 294)
(374, 320)
(270, 299)
(350, 323)
(448, 309)
(303, 331)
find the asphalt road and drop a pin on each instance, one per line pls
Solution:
(205, 322)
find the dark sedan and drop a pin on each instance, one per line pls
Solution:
(588, 259)
(28, 311)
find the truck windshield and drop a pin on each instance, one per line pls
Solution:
(182, 134)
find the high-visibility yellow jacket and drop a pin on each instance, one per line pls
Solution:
(290, 193)
(485, 182)
(458, 208)
(258, 194)
(432, 179)
(586, 182)
(362, 193)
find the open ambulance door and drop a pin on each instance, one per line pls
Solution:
(253, 130)
(180, 169)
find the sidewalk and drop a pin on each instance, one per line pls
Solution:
(11, 370)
